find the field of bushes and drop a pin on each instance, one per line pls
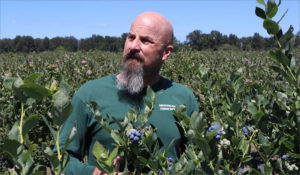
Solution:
(227, 84)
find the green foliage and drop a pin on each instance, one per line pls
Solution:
(17, 147)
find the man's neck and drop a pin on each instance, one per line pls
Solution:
(149, 81)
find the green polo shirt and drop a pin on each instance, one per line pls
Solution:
(117, 102)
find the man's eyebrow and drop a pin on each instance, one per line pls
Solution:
(130, 34)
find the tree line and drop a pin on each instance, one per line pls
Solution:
(196, 40)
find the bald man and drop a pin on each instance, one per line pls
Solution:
(148, 45)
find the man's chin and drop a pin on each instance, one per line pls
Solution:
(133, 63)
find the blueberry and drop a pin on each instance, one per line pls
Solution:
(245, 131)
(219, 132)
(169, 159)
(136, 138)
(131, 137)
(285, 156)
(218, 136)
(213, 127)
(147, 127)
(160, 172)
(137, 133)
(287, 102)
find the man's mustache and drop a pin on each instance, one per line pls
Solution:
(134, 55)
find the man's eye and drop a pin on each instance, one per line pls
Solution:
(130, 37)
(146, 41)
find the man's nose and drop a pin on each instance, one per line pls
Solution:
(135, 45)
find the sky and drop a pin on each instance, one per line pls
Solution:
(83, 18)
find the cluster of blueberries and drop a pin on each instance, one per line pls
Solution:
(214, 127)
(135, 135)
(170, 163)
(245, 131)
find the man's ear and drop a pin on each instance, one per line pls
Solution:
(167, 52)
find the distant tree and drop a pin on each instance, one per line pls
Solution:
(6, 45)
(246, 43)
(257, 42)
(233, 40)
(39, 46)
(55, 42)
(123, 36)
(216, 39)
(70, 43)
(24, 44)
(194, 39)
(46, 43)
(269, 43)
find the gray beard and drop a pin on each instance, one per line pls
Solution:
(131, 79)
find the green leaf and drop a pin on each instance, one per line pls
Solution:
(30, 123)
(35, 91)
(12, 147)
(236, 107)
(8, 82)
(95, 109)
(112, 156)
(32, 78)
(271, 9)
(14, 133)
(27, 155)
(279, 57)
(271, 26)
(118, 122)
(52, 157)
(62, 108)
(53, 132)
(205, 147)
(260, 13)
(287, 36)
(117, 138)
(202, 70)
(293, 63)
(18, 82)
(100, 152)
(252, 108)
(150, 93)
(290, 45)
(257, 117)
(197, 121)
(262, 2)
(267, 169)
(71, 136)
(64, 87)
(242, 145)
(297, 104)
(294, 155)
(263, 140)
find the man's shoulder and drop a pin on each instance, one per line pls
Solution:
(96, 86)
(176, 87)
(109, 79)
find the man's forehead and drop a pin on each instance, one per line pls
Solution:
(146, 31)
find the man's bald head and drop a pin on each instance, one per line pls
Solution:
(158, 23)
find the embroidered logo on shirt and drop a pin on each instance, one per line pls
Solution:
(166, 107)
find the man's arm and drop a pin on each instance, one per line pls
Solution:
(77, 147)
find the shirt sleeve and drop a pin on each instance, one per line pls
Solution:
(77, 147)
(193, 105)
